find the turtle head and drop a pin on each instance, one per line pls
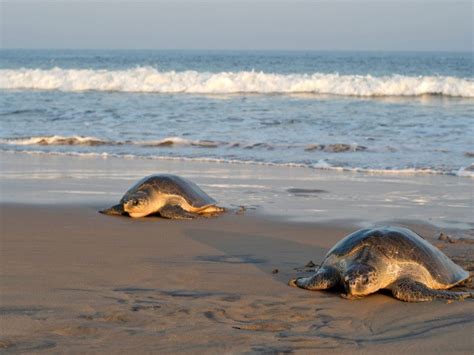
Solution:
(361, 280)
(138, 205)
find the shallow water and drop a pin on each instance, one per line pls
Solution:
(384, 112)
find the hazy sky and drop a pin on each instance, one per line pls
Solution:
(227, 24)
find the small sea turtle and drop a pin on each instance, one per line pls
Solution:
(390, 258)
(169, 195)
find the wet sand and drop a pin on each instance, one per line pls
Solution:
(75, 281)
(292, 193)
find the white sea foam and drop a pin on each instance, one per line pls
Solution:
(178, 141)
(467, 171)
(166, 142)
(92, 141)
(147, 79)
(173, 142)
(320, 165)
(55, 140)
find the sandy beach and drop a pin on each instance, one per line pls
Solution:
(303, 122)
(75, 281)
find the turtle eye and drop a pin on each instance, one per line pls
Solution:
(365, 279)
(135, 202)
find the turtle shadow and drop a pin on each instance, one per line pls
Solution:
(277, 257)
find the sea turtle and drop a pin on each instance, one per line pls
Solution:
(169, 195)
(390, 258)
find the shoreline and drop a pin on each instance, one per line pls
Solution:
(294, 194)
(320, 166)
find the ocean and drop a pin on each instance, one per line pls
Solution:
(389, 112)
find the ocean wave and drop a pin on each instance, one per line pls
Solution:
(93, 141)
(176, 142)
(150, 80)
(57, 140)
(336, 148)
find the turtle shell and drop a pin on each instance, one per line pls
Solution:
(403, 245)
(168, 184)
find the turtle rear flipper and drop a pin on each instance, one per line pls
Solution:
(326, 277)
(176, 212)
(409, 290)
(116, 210)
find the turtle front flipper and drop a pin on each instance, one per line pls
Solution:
(212, 211)
(116, 210)
(409, 290)
(176, 212)
(326, 277)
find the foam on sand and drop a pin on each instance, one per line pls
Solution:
(148, 79)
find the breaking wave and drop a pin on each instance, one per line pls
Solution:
(173, 142)
(93, 141)
(151, 80)
(126, 150)
(56, 140)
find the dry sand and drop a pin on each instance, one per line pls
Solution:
(75, 281)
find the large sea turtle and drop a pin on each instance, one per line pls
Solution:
(168, 195)
(390, 258)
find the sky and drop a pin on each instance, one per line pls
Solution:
(229, 24)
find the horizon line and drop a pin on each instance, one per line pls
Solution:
(241, 49)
